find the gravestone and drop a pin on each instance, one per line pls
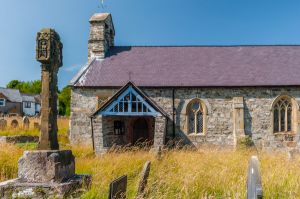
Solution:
(26, 122)
(3, 124)
(14, 123)
(36, 125)
(158, 153)
(47, 172)
(117, 188)
(254, 185)
(143, 179)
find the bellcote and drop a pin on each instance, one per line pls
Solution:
(101, 37)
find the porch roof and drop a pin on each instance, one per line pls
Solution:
(147, 102)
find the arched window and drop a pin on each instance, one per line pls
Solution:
(282, 115)
(195, 117)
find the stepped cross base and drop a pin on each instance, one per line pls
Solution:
(45, 174)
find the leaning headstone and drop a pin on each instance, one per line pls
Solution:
(3, 124)
(254, 185)
(26, 122)
(47, 172)
(143, 180)
(14, 123)
(117, 188)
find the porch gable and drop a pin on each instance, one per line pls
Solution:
(129, 101)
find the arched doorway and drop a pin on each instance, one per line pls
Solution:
(140, 131)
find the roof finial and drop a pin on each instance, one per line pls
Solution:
(129, 75)
(102, 5)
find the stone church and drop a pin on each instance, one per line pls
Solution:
(196, 95)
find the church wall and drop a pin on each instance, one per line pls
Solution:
(219, 104)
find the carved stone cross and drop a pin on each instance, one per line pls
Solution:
(49, 53)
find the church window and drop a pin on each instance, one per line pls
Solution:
(195, 114)
(282, 112)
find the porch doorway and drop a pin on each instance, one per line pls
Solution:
(140, 131)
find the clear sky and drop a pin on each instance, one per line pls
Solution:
(138, 22)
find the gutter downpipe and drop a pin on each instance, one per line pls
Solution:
(173, 115)
(93, 139)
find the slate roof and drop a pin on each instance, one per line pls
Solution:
(29, 98)
(12, 95)
(195, 66)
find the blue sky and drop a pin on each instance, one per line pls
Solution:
(138, 22)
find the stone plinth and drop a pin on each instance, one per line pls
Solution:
(45, 174)
(17, 188)
(46, 166)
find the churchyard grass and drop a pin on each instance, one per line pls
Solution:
(186, 173)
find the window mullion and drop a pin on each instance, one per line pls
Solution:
(285, 119)
(195, 122)
(279, 120)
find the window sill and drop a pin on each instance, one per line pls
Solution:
(196, 134)
(285, 133)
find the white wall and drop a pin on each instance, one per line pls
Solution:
(29, 111)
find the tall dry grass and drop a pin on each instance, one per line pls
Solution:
(203, 173)
(62, 123)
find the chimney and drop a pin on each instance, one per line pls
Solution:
(102, 35)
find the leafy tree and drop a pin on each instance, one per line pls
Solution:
(64, 98)
(13, 84)
(30, 87)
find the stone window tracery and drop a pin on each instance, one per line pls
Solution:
(195, 118)
(282, 115)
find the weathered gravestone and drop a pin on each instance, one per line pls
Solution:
(47, 172)
(36, 125)
(254, 185)
(3, 124)
(143, 180)
(117, 188)
(158, 153)
(14, 123)
(26, 122)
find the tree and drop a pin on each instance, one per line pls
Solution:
(64, 98)
(30, 87)
(14, 84)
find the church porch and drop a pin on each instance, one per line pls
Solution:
(128, 118)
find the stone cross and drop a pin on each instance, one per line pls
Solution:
(49, 54)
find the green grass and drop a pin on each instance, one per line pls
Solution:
(27, 145)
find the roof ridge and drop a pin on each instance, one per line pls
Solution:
(15, 89)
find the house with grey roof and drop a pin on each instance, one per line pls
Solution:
(30, 104)
(196, 95)
(12, 102)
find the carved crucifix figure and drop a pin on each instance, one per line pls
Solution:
(49, 53)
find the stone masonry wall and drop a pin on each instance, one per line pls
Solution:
(219, 104)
